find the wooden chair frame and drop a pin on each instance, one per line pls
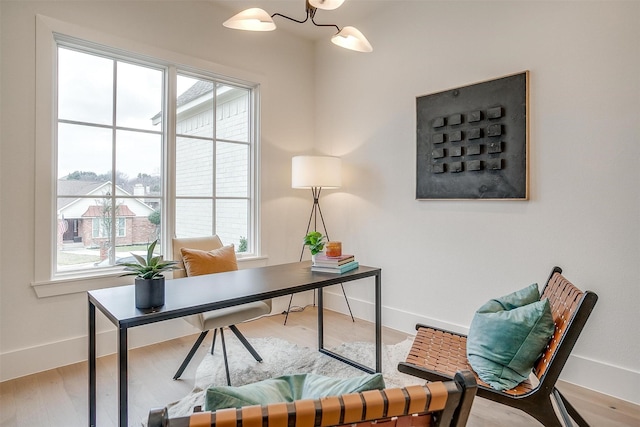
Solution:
(446, 403)
(436, 354)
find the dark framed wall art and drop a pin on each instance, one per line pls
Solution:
(473, 141)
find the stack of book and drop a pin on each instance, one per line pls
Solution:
(339, 265)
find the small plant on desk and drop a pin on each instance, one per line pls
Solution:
(149, 280)
(315, 241)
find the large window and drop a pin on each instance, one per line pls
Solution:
(145, 151)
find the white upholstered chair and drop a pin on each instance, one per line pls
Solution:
(215, 320)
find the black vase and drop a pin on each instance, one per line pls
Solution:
(149, 292)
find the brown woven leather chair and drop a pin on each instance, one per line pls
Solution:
(436, 354)
(434, 404)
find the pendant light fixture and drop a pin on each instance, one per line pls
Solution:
(256, 19)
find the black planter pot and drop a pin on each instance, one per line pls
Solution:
(149, 292)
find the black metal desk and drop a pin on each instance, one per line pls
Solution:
(198, 294)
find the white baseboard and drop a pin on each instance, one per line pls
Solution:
(32, 360)
(591, 374)
(26, 361)
(594, 375)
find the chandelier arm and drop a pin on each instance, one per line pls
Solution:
(292, 19)
(325, 25)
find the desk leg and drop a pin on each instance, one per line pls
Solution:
(379, 322)
(122, 376)
(92, 364)
(320, 320)
(378, 332)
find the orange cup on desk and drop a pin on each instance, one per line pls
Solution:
(334, 249)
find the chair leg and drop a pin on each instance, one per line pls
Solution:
(544, 412)
(246, 343)
(190, 355)
(224, 355)
(213, 342)
(564, 403)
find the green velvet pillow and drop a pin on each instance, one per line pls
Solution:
(288, 388)
(507, 335)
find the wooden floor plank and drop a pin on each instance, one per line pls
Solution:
(59, 397)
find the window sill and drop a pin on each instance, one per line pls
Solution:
(74, 285)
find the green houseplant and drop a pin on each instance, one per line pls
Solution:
(315, 241)
(149, 281)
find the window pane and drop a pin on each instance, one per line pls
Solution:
(194, 218)
(139, 161)
(85, 87)
(232, 115)
(83, 149)
(232, 220)
(148, 231)
(84, 227)
(139, 100)
(232, 170)
(194, 167)
(138, 221)
(194, 107)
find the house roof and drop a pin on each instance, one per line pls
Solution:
(75, 188)
(75, 206)
(96, 211)
(194, 92)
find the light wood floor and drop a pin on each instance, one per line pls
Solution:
(59, 397)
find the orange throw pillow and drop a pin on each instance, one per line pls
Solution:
(198, 262)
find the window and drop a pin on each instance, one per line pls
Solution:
(212, 161)
(109, 162)
(126, 177)
(101, 228)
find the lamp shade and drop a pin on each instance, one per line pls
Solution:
(254, 19)
(316, 171)
(326, 4)
(351, 38)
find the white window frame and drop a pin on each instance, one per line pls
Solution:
(46, 281)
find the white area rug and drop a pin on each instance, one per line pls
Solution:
(281, 358)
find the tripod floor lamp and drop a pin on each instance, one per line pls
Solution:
(316, 173)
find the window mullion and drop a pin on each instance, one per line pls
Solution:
(214, 122)
(111, 248)
(169, 161)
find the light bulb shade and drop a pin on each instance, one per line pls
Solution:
(254, 19)
(326, 4)
(351, 38)
(316, 171)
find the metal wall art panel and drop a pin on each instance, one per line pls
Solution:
(472, 141)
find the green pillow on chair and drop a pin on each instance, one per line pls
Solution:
(288, 388)
(507, 335)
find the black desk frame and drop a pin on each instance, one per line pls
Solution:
(198, 294)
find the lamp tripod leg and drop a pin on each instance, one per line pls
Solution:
(315, 210)
(311, 216)
(288, 310)
(347, 300)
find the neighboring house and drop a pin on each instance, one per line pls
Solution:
(229, 127)
(82, 219)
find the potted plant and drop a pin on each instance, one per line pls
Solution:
(149, 282)
(315, 241)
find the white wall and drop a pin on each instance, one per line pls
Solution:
(442, 259)
(32, 327)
